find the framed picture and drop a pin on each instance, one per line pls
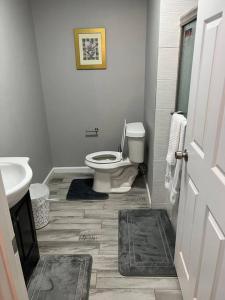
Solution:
(90, 48)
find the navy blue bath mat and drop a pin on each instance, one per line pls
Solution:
(81, 189)
(61, 277)
(146, 243)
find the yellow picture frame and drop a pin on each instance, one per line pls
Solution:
(90, 48)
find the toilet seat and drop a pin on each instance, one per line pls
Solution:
(104, 157)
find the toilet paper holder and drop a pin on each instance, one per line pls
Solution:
(92, 132)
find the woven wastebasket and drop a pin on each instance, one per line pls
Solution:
(39, 193)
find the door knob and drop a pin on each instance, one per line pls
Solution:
(181, 154)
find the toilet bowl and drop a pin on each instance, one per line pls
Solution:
(114, 173)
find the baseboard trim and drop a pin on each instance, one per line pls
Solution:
(49, 175)
(82, 170)
(148, 192)
(58, 170)
(85, 170)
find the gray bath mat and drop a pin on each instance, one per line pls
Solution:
(146, 243)
(61, 277)
(81, 189)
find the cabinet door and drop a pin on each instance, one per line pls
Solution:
(24, 228)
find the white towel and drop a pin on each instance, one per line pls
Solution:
(176, 181)
(178, 122)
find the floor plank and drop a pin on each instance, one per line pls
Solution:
(168, 295)
(138, 283)
(121, 294)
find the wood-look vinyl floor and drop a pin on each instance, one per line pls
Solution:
(91, 227)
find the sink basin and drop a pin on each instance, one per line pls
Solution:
(16, 176)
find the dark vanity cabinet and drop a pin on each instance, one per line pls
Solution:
(24, 228)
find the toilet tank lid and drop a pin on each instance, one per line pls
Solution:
(135, 130)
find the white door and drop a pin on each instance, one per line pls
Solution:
(12, 285)
(200, 246)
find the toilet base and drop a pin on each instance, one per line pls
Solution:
(117, 180)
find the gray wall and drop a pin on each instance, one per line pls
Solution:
(77, 100)
(152, 37)
(23, 130)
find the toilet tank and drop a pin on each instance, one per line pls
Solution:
(135, 133)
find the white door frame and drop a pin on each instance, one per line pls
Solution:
(12, 284)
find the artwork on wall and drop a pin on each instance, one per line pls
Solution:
(90, 48)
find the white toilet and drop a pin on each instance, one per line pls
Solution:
(113, 172)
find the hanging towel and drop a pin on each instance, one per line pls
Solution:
(176, 181)
(174, 143)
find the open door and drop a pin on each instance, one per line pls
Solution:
(200, 245)
(12, 285)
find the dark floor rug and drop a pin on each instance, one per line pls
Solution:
(61, 277)
(81, 189)
(146, 243)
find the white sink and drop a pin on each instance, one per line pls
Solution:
(16, 176)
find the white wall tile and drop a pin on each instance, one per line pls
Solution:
(159, 193)
(169, 38)
(168, 63)
(160, 151)
(166, 94)
(162, 126)
(159, 170)
(169, 30)
(180, 7)
(168, 56)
